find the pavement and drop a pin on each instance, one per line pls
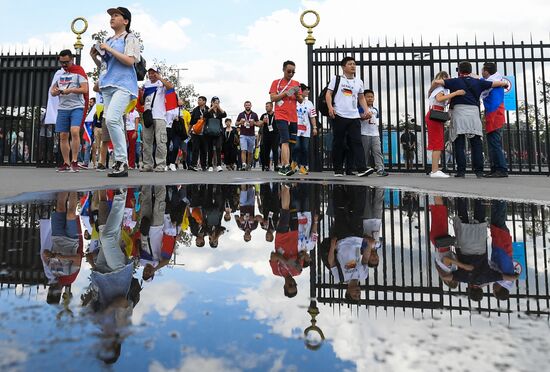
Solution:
(26, 183)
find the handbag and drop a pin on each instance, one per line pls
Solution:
(213, 127)
(439, 115)
(147, 115)
(198, 126)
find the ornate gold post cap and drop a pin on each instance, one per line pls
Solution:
(78, 44)
(310, 40)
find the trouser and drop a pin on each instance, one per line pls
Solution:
(349, 203)
(371, 146)
(229, 153)
(462, 211)
(115, 103)
(300, 154)
(157, 132)
(496, 153)
(347, 130)
(153, 209)
(270, 144)
(374, 203)
(199, 150)
(460, 153)
(131, 148)
(173, 146)
(214, 144)
(111, 257)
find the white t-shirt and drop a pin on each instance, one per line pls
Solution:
(371, 227)
(131, 120)
(305, 111)
(349, 256)
(346, 98)
(171, 115)
(155, 237)
(159, 107)
(432, 101)
(369, 127)
(306, 241)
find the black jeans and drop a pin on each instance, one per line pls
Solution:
(214, 144)
(199, 150)
(347, 132)
(270, 143)
(476, 147)
(174, 141)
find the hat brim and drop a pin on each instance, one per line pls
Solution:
(112, 11)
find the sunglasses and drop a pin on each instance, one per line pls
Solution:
(290, 71)
(64, 63)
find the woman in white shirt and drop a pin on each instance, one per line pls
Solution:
(438, 100)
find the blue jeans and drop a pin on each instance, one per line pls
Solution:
(300, 153)
(476, 147)
(115, 103)
(138, 152)
(496, 153)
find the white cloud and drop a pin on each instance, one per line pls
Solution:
(194, 363)
(160, 296)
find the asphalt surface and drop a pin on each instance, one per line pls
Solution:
(25, 183)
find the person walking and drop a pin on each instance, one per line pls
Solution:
(247, 121)
(307, 127)
(269, 148)
(214, 140)
(118, 81)
(198, 140)
(229, 146)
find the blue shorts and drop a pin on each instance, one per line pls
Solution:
(61, 226)
(67, 119)
(287, 131)
(248, 143)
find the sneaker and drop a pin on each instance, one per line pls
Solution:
(146, 168)
(243, 167)
(303, 170)
(495, 175)
(74, 167)
(338, 174)
(210, 169)
(100, 168)
(82, 166)
(438, 174)
(160, 168)
(173, 167)
(283, 170)
(293, 165)
(365, 173)
(479, 175)
(382, 173)
(193, 168)
(65, 168)
(120, 169)
(219, 168)
(289, 171)
(460, 175)
(350, 173)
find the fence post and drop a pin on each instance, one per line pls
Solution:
(314, 148)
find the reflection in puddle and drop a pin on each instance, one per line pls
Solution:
(272, 276)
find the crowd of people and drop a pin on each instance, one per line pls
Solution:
(148, 128)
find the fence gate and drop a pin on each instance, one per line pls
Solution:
(24, 84)
(401, 75)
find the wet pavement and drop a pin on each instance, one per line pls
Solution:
(271, 276)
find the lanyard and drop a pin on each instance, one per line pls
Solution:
(270, 119)
(279, 86)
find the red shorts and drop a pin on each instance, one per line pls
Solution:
(436, 134)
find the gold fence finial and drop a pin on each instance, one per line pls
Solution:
(310, 40)
(78, 44)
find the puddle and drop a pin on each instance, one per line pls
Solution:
(272, 277)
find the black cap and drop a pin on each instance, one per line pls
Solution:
(124, 12)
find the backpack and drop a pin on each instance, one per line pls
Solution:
(322, 105)
(140, 66)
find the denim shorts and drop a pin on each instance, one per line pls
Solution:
(287, 131)
(61, 226)
(67, 119)
(248, 143)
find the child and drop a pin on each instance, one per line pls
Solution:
(370, 136)
(307, 126)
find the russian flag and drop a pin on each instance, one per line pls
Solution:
(171, 99)
(76, 69)
(493, 101)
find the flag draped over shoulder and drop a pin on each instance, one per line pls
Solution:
(171, 99)
(76, 69)
(493, 101)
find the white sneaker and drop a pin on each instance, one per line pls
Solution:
(173, 167)
(244, 167)
(210, 169)
(438, 174)
(219, 169)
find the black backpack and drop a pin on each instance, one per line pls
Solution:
(322, 105)
(140, 66)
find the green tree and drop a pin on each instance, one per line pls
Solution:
(184, 91)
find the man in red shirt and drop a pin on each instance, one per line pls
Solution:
(284, 93)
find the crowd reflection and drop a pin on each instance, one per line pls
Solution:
(343, 238)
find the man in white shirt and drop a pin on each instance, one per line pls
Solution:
(342, 107)
(155, 102)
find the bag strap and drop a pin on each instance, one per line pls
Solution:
(336, 86)
(153, 101)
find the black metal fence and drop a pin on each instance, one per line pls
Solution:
(24, 84)
(406, 277)
(401, 75)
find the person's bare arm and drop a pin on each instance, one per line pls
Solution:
(444, 97)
